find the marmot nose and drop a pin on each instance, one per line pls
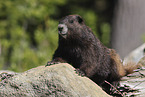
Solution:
(60, 28)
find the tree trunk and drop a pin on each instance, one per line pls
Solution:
(128, 26)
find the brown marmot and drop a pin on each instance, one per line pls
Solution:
(79, 47)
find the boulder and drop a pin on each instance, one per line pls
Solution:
(58, 80)
(135, 55)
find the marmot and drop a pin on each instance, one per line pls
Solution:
(79, 47)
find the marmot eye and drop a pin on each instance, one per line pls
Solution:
(71, 21)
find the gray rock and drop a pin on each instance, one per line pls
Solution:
(142, 61)
(58, 80)
(135, 81)
(8, 71)
(135, 55)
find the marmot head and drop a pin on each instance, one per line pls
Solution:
(71, 26)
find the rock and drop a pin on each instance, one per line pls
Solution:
(58, 80)
(135, 81)
(6, 74)
(135, 55)
(8, 71)
(142, 61)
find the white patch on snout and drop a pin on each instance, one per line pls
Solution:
(64, 30)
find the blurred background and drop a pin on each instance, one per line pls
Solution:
(28, 28)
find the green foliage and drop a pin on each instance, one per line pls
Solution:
(105, 27)
(28, 30)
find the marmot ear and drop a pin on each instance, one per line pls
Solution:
(80, 20)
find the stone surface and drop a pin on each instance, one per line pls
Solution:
(58, 80)
(135, 81)
(135, 55)
(142, 61)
